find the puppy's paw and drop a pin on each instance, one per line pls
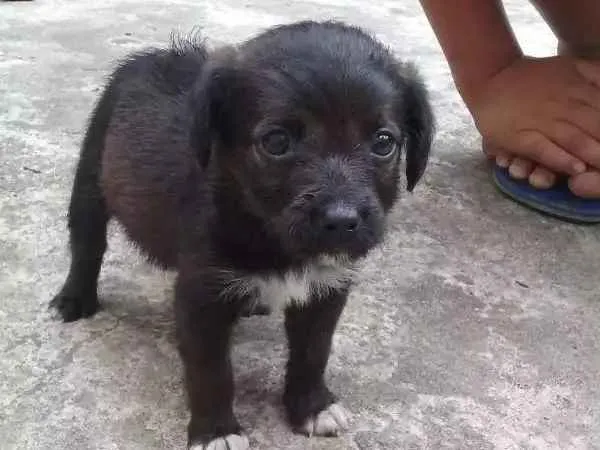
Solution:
(315, 412)
(229, 442)
(70, 307)
(330, 422)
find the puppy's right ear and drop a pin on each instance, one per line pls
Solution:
(209, 106)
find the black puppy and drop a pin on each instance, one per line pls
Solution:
(263, 172)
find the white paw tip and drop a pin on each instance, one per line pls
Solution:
(329, 422)
(229, 442)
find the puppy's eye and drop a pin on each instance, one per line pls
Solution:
(384, 144)
(276, 142)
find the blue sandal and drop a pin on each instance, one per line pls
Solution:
(557, 201)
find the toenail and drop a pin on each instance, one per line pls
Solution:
(517, 171)
(503, 161)
(540, 181)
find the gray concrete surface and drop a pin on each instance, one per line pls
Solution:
(477, 325)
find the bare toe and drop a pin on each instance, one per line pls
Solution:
(542, 178)
(586, 185)
(520, 168)
(501, 157)
(503, 160)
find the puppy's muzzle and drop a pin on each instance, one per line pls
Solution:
(343, 227)
(339, 221)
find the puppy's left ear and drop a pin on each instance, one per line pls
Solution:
(211, 107)
(418, 124)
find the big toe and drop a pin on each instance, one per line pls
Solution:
(586, 185)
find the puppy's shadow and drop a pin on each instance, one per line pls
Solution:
(258, 350)
(155, 319)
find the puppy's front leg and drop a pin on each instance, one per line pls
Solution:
(204, 326)
(310, 405)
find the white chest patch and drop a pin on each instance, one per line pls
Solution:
(295, 286)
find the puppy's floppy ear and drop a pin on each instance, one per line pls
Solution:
(418, 124)
(210, 103)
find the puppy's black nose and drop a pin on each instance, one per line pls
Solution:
(339, 218)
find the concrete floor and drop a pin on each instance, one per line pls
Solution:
(477, 325)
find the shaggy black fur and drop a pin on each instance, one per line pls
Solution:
(248, 161)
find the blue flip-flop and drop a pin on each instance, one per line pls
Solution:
(557, 201)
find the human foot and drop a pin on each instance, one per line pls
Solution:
(587, 183)
(545, 111)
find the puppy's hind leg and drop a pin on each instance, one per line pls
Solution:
(88, 218)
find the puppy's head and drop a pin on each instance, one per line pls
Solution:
(306, 125)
